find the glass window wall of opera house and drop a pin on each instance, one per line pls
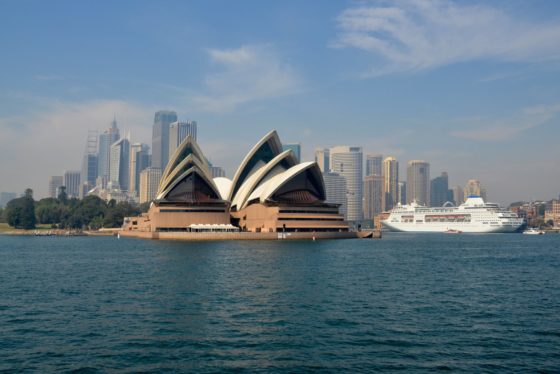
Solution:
(270, 193)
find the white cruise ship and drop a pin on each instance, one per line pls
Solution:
(474, 215)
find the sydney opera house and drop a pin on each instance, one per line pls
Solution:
(270, 196)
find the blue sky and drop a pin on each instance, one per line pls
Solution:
(473, 88)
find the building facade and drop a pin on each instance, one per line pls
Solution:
(72, 182)
(374, 165)
(119, 172)
(178, 131)
(149, 183)
(106, 139)
(139, 160)
(335, 187)
(418, 182)
(160, 137)
(348, 162)
(458, 195)
(474, 188)
(373, 196)
(439, 190)
(390, 173)
(295, 147)
(322, 158)
(55, 182)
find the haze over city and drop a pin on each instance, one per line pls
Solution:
(472, 88)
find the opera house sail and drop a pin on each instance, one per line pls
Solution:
(270, 193)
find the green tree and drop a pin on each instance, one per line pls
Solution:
(20, 212)
(115, 216)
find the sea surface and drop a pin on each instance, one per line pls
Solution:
(410, 302)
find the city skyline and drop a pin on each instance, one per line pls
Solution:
(477, 107)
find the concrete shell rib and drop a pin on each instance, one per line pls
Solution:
(179, 155)
(187, 163)
(241, 197)
(267, 190)
(224, 186)
(274, 141)
(177, 180)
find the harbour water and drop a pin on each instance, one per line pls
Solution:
(414, 302)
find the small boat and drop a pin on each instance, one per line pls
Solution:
(533, 231)
(452, 231)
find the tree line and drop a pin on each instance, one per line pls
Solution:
(62, 212)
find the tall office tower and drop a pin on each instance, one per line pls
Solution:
(55, 182)
(149, 183)
(458, 195)
(374, 165)
(105, 141)
(335, 189)
(373, 195)
(217, 172)
(178, 131)
(72, 183)
(418, 182)
(322, 158)
(295, 147)
(402, 193)
(120, 162)
(139, 160)
(473, 188)
(348, 162)
(160, 137)
(439, 190)
(6, 197)
(89, 163)
(390, 173)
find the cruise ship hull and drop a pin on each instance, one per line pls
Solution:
(465, 228)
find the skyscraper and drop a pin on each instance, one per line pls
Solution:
(418, 182)
(458, 195)
(139, 160)
(439, 190)
(348, 162)
(160, 137)
(178, 131)
(473, 188)
(295, 147)
(373, 195)
(335, 189)
(402, 192)
(106, 139)
(72, 182)
(149, 183)
(390, 173)
(55, 182)
(374, 164)
(119, 172)
(322, 158)
(89, 163)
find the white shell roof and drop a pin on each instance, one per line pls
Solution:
(176, 180)
(224, 186)
(269, 170)
(266, 190)
(271, 136)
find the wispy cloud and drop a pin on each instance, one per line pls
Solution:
(249, 73)
(414, 35)
(482, 129)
